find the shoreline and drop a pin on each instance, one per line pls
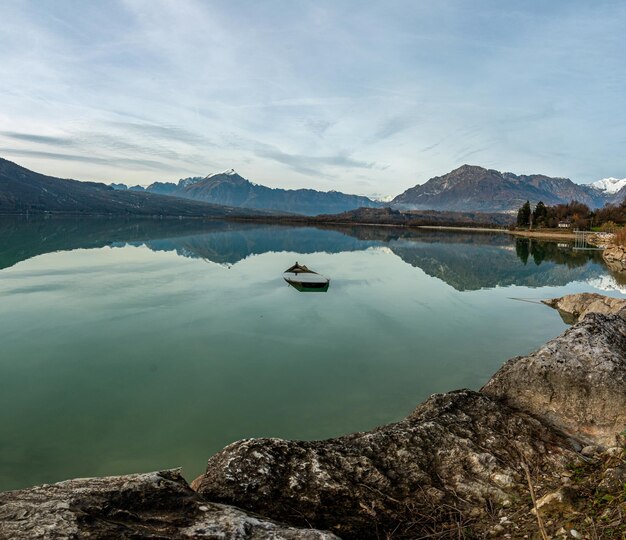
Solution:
(453, 228)
(548, 235)
(300, 221)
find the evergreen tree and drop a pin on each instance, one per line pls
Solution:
(521, 248)
(523, 215)
(538, 251)
(540, 214)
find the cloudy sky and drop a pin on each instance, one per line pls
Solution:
(364, 97)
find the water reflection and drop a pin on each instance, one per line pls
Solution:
(119, 359)
(465, 261)
(472, 262)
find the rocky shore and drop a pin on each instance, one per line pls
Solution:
(614, 254)
(615, 257)
(538, 452)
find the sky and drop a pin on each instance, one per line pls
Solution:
(362, 97)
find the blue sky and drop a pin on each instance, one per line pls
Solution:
(363, 97)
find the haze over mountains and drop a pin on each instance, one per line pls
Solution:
(466, 189)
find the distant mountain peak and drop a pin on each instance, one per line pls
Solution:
(183, 182)
(231, 189)
(27, 192)
(468, 167)
(228, 172)
(475, 188)
(609, 185)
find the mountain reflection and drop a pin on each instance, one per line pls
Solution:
(488, 261)
(466, 261)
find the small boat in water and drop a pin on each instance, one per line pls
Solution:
(303, 279)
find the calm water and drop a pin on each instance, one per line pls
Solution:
(128, 347)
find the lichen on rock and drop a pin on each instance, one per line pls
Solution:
(576, 382)
(459, 450)
(154, 505)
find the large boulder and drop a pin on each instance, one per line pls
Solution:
(574, 307)
(155, 505)
(576, 382)
(457, 453)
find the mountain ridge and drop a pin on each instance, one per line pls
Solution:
(231, 189)
(469, 188)
(24, 191)
(475, 188)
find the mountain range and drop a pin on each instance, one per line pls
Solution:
(473, 188)
(230, 189)
(23, 191)
(468, 188)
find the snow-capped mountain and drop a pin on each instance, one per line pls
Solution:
(229, 172)
(609, 185)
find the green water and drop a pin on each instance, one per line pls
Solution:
(135, 346)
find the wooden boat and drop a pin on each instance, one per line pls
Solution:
(303, 279)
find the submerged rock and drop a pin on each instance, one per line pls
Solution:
(615, 257)
(457, 452)
(154, 505)
(574, 307)
(576, 382)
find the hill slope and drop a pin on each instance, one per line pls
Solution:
(472, 188)
(231, 189)
(22, 191)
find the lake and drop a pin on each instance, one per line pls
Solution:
(131, 346)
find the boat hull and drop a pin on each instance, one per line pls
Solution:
(309, 287)
(309, 281)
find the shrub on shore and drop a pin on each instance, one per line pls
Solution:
(620, 236)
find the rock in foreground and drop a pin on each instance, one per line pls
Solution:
(576, 382)
(456, 453)
(574, 307)
(155, 505)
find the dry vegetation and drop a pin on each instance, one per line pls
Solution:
(620, 236)
(593, 507)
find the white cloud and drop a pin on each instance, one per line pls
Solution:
(320, 94)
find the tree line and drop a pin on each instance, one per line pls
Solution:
(576, 214)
